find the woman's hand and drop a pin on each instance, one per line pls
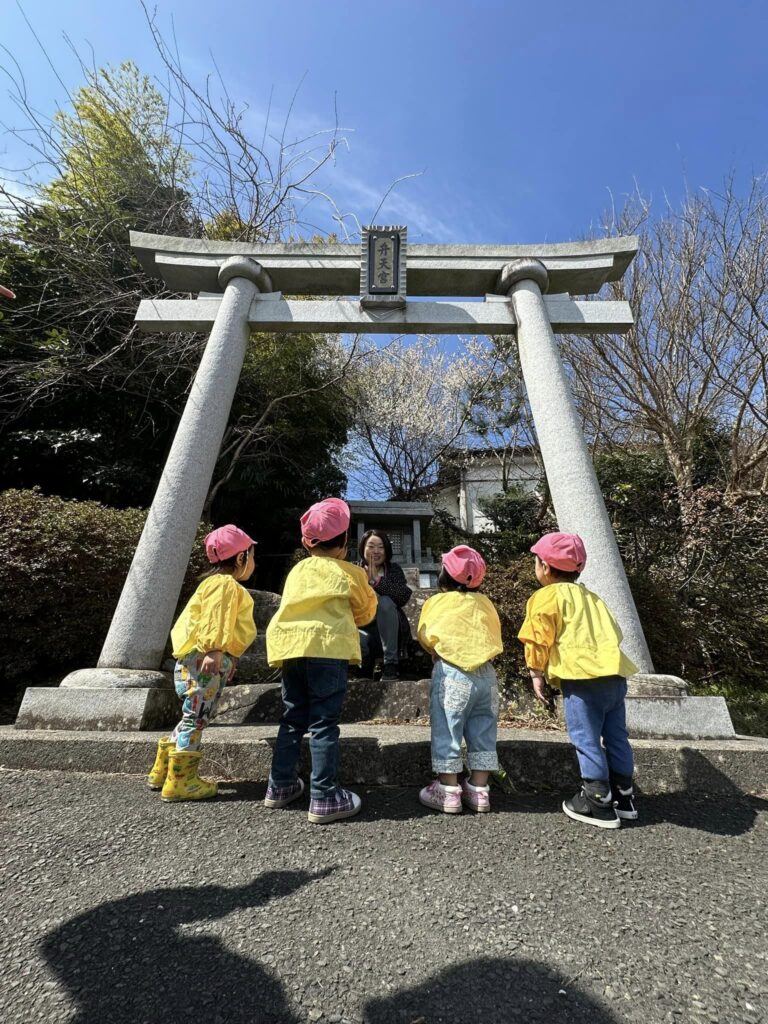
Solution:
(211, 663)
(232, 671)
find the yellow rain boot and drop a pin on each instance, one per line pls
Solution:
(157, 775)
(182, 782)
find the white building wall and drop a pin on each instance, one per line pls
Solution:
(448, 499)
(484, 480)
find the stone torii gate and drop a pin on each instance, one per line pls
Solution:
(526, 290)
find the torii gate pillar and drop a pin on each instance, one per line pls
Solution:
(571, 477)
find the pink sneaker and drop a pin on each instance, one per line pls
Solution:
(441, 798)
(476, 797)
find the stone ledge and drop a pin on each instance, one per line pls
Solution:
(536, 762)
(406, 701)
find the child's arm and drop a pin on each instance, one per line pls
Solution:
(538, 635)
(430, 650)
(423, 635)
(362, 599)
(217, 625)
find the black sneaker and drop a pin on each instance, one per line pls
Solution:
(624, 802)
(389, 673)
(365, 669)
(593, 807)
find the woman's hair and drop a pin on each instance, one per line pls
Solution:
(384, 540)
(335, 542)
(446, 582)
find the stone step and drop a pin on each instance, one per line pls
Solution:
(536, 762)
(403, 700)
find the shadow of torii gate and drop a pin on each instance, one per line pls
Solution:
(527, 293)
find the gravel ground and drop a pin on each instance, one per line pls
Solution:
(118, 908)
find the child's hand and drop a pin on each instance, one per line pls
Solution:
(541, 690)
(211, 664)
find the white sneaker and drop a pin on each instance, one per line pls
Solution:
(477, 798)
(441, 798)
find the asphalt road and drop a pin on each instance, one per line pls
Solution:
(118, 908)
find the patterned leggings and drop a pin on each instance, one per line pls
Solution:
(201, 695)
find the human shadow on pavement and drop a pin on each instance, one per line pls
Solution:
(492, 991)
(127, 961)
(709, 801)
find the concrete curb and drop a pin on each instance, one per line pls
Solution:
(536, 762)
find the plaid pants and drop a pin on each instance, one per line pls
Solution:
(201, 695)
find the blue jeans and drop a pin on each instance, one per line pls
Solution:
(313, 693)
(463, 704)
(595, 715)
(383, 634)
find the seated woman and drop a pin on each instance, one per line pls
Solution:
(389, 632)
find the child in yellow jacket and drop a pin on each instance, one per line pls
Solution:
(460, 628)
(214, 629)
(314, 637)
(572, 640)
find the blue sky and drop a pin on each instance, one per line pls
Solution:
(521, 119)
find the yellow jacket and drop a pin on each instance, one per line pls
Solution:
(570, 633)
(462, 627)
(218, 617)
(324, 601)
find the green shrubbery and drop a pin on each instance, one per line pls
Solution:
(63, 567)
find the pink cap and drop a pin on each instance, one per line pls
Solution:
(324, 520)
(564, 551)
(226, 542)
(465, 565)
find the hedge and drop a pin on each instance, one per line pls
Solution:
(63, 568)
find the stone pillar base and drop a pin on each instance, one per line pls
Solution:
(107, 708)
(646, 684)
(679, 717)
(118, 679)
(659, 706)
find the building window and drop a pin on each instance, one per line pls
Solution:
(396, 537)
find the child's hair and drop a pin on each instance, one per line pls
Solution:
(561, 574)
(446, 582)
(335, 542)
(227, 565)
